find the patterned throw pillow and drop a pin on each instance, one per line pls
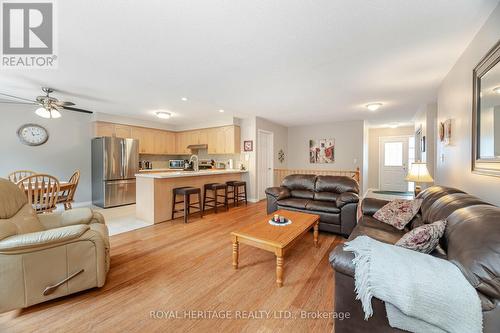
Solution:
(398, 212)
(424, 238)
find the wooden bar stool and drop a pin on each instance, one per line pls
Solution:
(213, 202)
(237, 191)
(186, 193)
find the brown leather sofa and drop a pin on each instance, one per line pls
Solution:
(471, 241)
(334, 198)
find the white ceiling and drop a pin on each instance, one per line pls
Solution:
(291, 61)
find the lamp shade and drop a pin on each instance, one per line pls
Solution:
(419, 173)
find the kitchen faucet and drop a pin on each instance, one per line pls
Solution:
(194, 159)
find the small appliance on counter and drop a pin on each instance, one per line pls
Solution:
(206, 164)
(145, 165)
(220, 165)
(230, 164)
(177, 164)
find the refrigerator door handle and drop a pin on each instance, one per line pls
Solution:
(123, 159)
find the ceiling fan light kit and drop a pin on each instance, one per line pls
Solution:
(49, 106)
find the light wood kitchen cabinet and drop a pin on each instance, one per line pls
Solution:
(146, 139)
(122, 131)
(104, 129)
(220, 140)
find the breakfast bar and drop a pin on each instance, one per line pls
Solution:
(154, 190)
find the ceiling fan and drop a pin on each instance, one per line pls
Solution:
(49, 106)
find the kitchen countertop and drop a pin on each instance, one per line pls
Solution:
(177, 174)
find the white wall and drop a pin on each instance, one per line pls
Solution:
(67, 149)
(348, 135)
(455, 102)
(374, 135)
(249, 132)
(426, 118)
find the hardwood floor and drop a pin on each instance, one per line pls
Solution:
(177, 268)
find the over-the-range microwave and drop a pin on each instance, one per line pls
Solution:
(176, 164)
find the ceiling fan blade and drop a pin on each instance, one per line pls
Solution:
(15, 102)
(63, 103)
(76, 109)
(20, 98)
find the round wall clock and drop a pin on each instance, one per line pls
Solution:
(32, 134)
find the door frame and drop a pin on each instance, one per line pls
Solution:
(261, 192)
(380, 157)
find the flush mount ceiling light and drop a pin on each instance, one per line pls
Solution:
(48, 113)
(393, 125)
(184, 99)
(221, 111)
(163, 115)
(496, 90)
(373, 106)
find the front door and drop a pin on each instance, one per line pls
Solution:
(393, 163)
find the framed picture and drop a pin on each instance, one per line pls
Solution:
(322, 151)
(447, 132)
(248, 145)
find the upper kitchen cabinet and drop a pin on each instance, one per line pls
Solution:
(220, 140)
(146, 139)
(224, 140)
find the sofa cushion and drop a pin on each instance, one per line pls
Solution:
(294, 203)
(11, 197)
(336, 184)
(299, 182)
(323, 206)
(430, 195)
(302, 194)
(326, 196)
(472, 243)
(386, 236)
(447, 204)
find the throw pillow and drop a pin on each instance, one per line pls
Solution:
(424, 238)
(398, 212)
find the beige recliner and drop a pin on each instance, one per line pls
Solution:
(46, 256)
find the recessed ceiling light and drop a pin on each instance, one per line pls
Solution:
(373, 106)
(221, 111)
(163, 115)
(496, 90)
(184, 99)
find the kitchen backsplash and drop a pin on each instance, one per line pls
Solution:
(161, 161)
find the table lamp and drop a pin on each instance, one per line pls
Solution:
(419, 174)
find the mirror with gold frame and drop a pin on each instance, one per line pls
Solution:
(486, 115)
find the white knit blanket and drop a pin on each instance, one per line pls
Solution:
(421, 293)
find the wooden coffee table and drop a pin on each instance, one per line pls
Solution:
(277, 239)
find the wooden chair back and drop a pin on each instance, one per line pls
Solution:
(41, 190)
(67, 196)
(19, 174)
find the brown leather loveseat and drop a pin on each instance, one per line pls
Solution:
(471, 241)
(334, 198)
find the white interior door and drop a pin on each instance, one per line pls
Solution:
(393, 163)
(264, 162)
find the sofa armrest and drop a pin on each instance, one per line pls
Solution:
(70, 217)
(369, 206)
(278, 192)
(341, 260)
(44, 238)
(345, 198)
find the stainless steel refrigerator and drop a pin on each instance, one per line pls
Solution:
(115, 161)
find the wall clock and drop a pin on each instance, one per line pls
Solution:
(32, 134)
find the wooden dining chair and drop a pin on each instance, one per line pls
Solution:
(19, 174)
(41, 190)
(66, 197)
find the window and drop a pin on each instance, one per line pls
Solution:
(393, 154)
(411, 159)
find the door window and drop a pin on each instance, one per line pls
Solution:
(393, 154)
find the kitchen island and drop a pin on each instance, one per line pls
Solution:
(154, 190)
